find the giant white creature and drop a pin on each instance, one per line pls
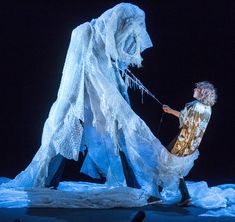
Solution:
(92, 112)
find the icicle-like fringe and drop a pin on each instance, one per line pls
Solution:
(134, 83)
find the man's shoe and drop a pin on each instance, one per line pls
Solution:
(154, 200)
(185, 203)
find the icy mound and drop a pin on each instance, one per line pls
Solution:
(73, 195)
(218, 200)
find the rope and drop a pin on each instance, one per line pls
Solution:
(160, 123)
(141, 86)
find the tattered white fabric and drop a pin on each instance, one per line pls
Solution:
(93, 91)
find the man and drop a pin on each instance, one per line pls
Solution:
(193, 121)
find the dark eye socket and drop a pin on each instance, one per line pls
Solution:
(130, 44)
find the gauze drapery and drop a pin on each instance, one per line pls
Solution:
(93, 91)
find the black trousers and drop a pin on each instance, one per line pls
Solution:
(183, 190)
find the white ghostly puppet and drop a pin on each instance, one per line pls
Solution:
(92, 110)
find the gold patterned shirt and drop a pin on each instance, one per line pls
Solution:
(193, 122)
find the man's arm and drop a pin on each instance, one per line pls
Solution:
(171, 111)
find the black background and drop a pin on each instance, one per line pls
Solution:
(192, 42)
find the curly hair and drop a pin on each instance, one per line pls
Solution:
(208, 93)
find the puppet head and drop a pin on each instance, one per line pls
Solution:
(124, 34)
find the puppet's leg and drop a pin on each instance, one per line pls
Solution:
(57, 168)
(55, 171)
(129, 173)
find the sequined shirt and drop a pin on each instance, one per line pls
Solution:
(193, 122)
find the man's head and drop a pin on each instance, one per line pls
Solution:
(205, 92)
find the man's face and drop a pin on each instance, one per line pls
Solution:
(196, 93)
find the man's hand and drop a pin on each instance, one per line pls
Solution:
(167, 109)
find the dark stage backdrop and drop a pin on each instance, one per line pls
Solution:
(192, 42)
